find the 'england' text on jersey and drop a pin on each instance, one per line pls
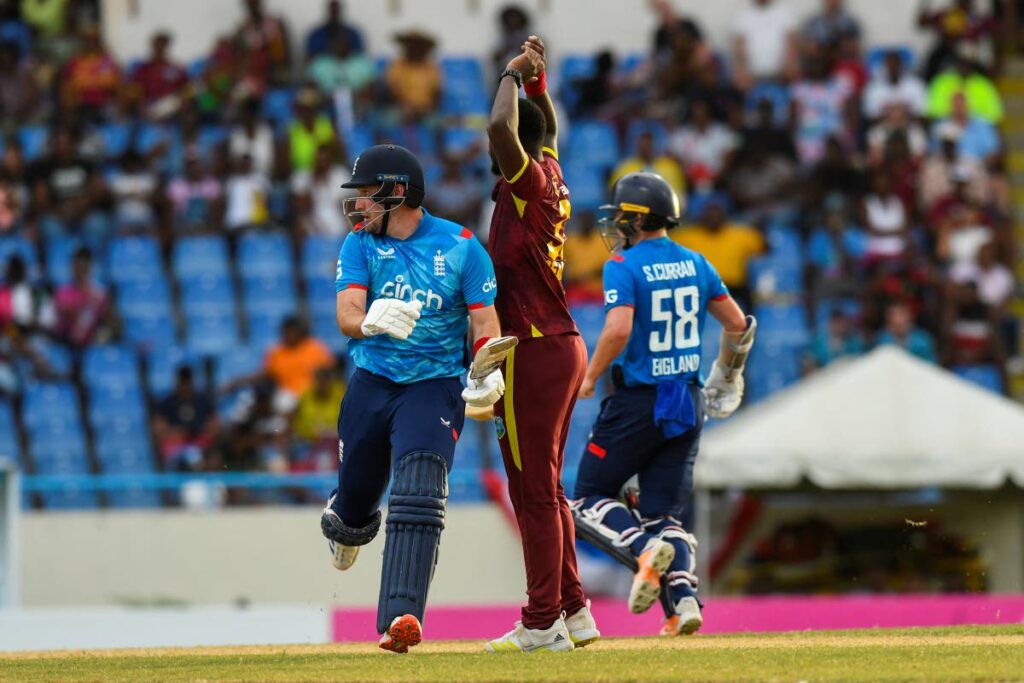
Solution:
(669, 271)
(675, 365)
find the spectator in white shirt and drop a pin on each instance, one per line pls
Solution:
(894, 84)
(246, 191)
(703, 146)
(318, 196)
(764, 42)
(253, 137)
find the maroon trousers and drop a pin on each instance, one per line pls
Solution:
(542, 377)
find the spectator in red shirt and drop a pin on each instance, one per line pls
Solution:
(263, 41)
(158, 76)
(92, 77)
(83, 308)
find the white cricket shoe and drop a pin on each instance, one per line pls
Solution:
(653, 563)
(686, 621)
(554, 638)
(342, 556)
(582, 627)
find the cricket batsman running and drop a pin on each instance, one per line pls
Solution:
(406, 283)
(657, 295)
(544, 372)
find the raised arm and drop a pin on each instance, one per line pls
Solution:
(503, 128)
(537, 92)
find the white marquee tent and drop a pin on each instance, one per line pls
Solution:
(883, 421)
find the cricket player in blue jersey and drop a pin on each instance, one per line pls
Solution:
(657, 296)
(407, 284)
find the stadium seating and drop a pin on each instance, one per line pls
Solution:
(112, 405)
(200, 257)
(10, 448)
(11, 246)
(209, 334)
(35, 142)
(985, 376)
(110, 366)
(162, 368)
(463, 91)
(208, 295)
(320, 257)
(51, 405)
(59, 253)
(593, 143)
(132, 259)
(639, 127)
(266, 255)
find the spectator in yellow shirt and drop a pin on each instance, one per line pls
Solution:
(315, 422)
(585, 256)
(414, 78)
(649, 159)
(728, 246)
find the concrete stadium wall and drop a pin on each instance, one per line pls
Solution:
(245, 556)
(468, 26)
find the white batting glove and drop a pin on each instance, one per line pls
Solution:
(722, 398)
(483, 392)
(393, 317)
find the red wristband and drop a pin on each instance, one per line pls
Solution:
(538, 87)
(478, 344)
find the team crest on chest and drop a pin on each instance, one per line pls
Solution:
(439, 267)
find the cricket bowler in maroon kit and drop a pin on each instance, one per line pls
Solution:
(544, 372)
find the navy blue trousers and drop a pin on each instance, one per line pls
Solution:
(625, 441)
(380, 422)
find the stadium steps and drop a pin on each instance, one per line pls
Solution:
(1011, 87)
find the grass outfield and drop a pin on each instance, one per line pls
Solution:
(984, 653)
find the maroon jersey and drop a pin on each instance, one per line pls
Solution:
(526, 243)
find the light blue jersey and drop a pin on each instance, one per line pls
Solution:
(669, 288)
(442, 265)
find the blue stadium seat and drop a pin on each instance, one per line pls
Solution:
(50, 405)
(876, 56)
(985, 376)
(126, 434)
(211, 136)
(320, 257)
(10, 448)
(19, 33)
(65, 455)
(321, 299)
(638, 127)
(768, 276)
(630, 62)
(11, 246)
(153, 332)
(211, 334)
(417, 138)
(116, 138)
(264, 330)
(144, 298)
(463, 91)
(784, 325)
(265, 255)
(358, 139)
(57, 355)
(150, 135)
(132, 259)
(460, 140)
(162, 368)
(590, 321)
(277, 105)
(110, 406)
(208, 295)
(195, 257)
(269, 297)
(772, 366)
(593, 143)
(238, 362)
(325, 328)
(59, 253)
(587, 187)
(786, 245)
(571, 69)
(778, 95)
(35, 141)
(110, 366)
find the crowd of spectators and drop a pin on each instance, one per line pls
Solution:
(868, 192)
